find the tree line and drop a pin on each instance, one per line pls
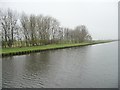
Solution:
(19, 30)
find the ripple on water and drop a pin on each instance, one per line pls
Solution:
(82, 67)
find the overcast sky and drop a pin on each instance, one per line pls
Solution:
(100, 16)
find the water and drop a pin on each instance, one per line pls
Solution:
(94, 66)
(0, 73)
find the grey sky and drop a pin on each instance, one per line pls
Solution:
(100, 16)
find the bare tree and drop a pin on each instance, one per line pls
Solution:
(8, 23)
(39, 27)
(81, 33)
(54, 28)
(32, 27)
(37, 30)
(61, 34)
(25, 26)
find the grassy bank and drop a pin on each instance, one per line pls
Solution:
(26, 50)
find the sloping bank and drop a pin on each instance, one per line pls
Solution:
(27, 50)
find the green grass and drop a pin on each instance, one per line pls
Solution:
(46, 47)
(10, 50)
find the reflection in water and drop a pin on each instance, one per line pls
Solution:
(37, 62)
(8, 70)
(79, 67)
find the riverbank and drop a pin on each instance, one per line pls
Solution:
(27, 50)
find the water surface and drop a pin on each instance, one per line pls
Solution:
(94, 66)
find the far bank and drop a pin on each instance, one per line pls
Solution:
(27, 50)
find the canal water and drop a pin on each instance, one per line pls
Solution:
(94, 66)
(0, 73)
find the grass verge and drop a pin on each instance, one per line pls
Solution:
(26, 50)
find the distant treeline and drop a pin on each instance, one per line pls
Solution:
(18, 30)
